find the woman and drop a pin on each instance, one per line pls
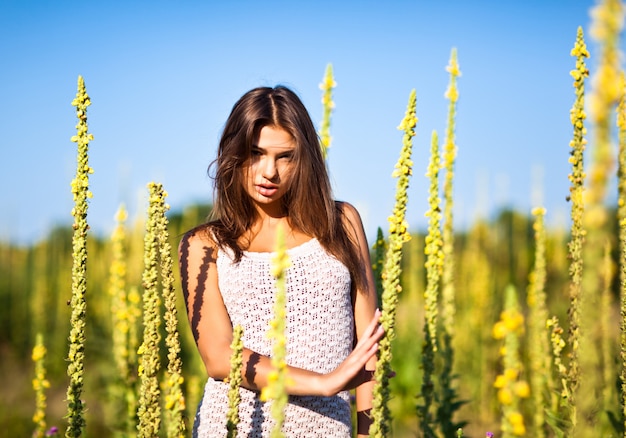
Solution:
(270, 173)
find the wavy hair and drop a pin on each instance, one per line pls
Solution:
(308, 203)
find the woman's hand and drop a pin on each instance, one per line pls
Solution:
(351, 372)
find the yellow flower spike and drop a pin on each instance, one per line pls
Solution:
(558, 344)
(234, 381)
(511, 389)
(539, 349)
(621, 217)
(149, 410)
(39, 385)
(607, 22)
(80, 192)
(122, 390)
(433, 245)
(381, 417)
(433, 250)
(158, 223)
(327, 87)
(577, 179)
(277, 378)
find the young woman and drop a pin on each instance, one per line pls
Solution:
(270, 173)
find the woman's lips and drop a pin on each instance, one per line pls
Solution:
(266, 190)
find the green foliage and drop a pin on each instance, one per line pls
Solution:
(482, 254)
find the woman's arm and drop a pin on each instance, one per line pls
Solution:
(365, 305)
(212, 330)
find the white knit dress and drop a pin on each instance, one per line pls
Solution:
(319, 334)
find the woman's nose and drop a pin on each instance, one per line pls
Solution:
(269, 168)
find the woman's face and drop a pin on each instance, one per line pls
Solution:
(268, 171)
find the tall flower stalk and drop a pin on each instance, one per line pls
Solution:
(607, 23)
(117, 291)
(80, 191)
(558, 420)
(448, 395)
(378, 262)
(477, 275)
(39, 302)
(511, 387)
(398, 235)
(234, 382)
(434, 267)
(134, 308)
(276, 388)
(328, 105)
(174, 398)
(605, 325)
(575, 245)
(124, 382)
(539, 349)
(434, 244)
(449, 158)
(621, 218)
(149, 411)
(40, 385)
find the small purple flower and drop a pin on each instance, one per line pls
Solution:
(53, 431)
(489, 435)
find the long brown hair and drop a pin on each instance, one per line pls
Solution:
(309, 203)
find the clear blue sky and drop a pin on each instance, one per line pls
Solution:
(163, 75)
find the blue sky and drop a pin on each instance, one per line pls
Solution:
(163, 76)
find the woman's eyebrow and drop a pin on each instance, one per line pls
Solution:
(285, 147)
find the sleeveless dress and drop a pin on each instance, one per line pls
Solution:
(319, 332)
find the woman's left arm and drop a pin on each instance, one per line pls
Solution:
(365, 305)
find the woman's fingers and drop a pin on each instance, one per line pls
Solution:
(352, 373)
(353, 368)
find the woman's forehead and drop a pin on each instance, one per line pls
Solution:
(271, 137)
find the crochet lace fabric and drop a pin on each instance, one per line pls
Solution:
(319, 333)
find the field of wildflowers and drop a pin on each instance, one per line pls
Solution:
(507, 329)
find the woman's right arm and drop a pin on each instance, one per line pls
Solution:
(213, 332)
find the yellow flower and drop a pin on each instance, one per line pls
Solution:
(539, 211)
(39, 352)
(512, 320)
(452, 94)
(500, 381)
(499, 330)
(453, 66)
(517, 422)
(521, 389)
(505, 397)
(511, 374)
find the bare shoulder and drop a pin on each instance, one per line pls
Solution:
(197, 240)
(350, 215)
(349, 211)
